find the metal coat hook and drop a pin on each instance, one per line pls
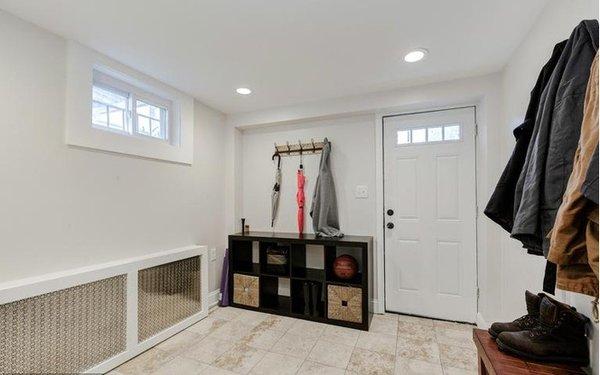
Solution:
(301, 163)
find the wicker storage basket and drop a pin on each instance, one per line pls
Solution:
(344, 303)
(245, 290)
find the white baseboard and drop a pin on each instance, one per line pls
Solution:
(213, 298)
(481, 322)
(376, 307)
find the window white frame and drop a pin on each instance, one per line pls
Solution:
(135, 94)
(80, 67)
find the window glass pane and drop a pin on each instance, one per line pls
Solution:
(99, 112)
(418, 136)
(148, 109)
(116, 118)
(434, 134)
(451, 132)
(143, 125)
(155, 129)
(403, 137)
(111, 98)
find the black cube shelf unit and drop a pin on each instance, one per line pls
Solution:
(254, 285)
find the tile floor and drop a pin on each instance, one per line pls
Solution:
(236, 341)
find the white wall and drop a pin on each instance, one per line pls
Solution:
(64, 207)
(356, 121)
(352, 160)
(519, 270)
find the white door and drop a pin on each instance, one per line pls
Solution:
(430, 214)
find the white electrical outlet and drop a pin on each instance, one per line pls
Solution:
(213, 254)
(361, 192)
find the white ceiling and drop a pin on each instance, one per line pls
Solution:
(290, 51)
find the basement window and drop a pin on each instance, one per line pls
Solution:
(120, 107)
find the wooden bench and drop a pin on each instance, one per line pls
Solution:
(492, 361)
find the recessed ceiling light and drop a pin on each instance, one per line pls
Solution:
(415, 55)
(244, 91)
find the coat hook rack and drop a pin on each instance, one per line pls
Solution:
(299, 148)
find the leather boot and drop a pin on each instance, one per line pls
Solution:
(307, 300)
(526, 322)
(560, 336)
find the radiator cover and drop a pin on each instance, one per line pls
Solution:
(167, 294)
(68, 330)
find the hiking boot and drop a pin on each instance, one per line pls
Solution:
(560, 336)
(524, 323)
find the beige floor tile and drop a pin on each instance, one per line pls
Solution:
(383, 324)
(453, 356)
(277, 364)
(294, 345)
(307, 328)
(225, 313)
(239, 359)
(457, 337)
(459, 371)
(145, 363)
(453, 325)
(377, 342)
(342, 335)
(415, 331)
(262, 339)
(179, 342)
(251, 318)
(367, 362)
(280, 323)
(181, 366)
(330, 354)
(415, 367)
(206, 326)
(314, 368)
(208, 350)
(212, 370)
(415, 320)
(231, 331)
(424, 350)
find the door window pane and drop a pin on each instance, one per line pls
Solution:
(434, 134)
(116, 118)
(403, 137)
(451, 132)
(418, 136)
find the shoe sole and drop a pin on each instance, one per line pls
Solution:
(570, 360)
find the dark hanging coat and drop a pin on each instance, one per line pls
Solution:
(549, 159)
(500, 206)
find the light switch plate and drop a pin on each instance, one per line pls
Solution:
(361, 192)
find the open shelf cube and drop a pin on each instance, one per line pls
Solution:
(296, 278)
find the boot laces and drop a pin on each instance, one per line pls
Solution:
(526, 321)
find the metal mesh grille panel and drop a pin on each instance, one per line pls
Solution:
(66, 331)
(167, 294)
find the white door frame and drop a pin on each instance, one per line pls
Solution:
(379, 246)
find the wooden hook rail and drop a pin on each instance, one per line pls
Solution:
(299, 148)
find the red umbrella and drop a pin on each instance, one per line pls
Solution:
(300, 199)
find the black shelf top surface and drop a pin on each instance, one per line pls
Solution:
(313, 274)
(307, 238)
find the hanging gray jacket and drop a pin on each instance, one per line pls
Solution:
(549, 159)
(323, 209)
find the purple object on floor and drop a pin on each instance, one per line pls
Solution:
(225, 281)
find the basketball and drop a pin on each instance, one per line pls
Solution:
(345, 267)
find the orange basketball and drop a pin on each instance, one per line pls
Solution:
(345, 267)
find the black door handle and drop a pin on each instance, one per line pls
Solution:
(390, 225)
(390, 212)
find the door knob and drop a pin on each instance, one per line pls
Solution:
(390, 212)
(390, 225)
